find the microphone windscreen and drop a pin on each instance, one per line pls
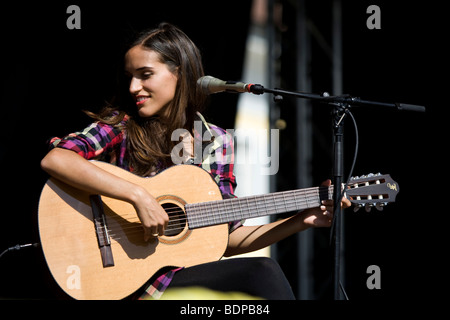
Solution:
(204, 82)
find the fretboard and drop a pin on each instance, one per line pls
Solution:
(222, 211)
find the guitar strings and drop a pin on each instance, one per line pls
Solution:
(198, 207)
(178, 219)
(311, 197)
(247, 200)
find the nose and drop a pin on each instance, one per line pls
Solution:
(135, 86)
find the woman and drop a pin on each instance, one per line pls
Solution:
(135, 133)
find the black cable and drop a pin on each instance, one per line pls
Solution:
(343, 291)
(18, 247)
(355, 156)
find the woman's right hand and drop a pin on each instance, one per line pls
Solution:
(153, 217)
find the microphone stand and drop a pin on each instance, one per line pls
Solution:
(342, 105)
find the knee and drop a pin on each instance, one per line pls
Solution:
(267, 265)
(268, 273)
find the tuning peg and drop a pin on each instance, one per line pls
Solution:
(357, 207)
(381, 205)
(370, 175)
(368, 207)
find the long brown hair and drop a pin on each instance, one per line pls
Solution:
(149, 139)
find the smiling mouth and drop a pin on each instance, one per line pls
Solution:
(141, 99)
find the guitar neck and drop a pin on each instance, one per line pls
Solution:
(218, 212)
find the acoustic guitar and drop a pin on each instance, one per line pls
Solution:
(94, 245)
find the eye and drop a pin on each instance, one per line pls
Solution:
(147, 75)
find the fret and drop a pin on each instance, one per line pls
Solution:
(290, 202)
(280, 205)
(202, 215)
(239, 205)
(307, 202)
(204, 212)
(296, 204)
(253, 207)
(265, 204)
(244, 209)
(293, 196)
(248, 205)
(274, 205)
(228, 208)
(192, 219)
(287, 203)
(317, 193)
(225, 208)
(284, 202)
(296, 201)
(214, 213)
(269, 204)
(256, 204)
(207, 217)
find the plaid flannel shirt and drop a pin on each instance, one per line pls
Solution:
(107, 143)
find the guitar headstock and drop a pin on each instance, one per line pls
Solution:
(372, 190)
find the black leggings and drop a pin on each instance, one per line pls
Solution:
(260, 277)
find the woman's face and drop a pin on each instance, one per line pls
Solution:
(152, 84)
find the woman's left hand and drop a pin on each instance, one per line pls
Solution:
(322, 216)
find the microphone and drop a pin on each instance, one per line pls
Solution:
(210, 85)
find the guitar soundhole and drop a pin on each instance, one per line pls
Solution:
(177, 219)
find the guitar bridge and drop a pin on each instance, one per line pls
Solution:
(101, 229)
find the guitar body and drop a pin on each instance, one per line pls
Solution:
(70, 242)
